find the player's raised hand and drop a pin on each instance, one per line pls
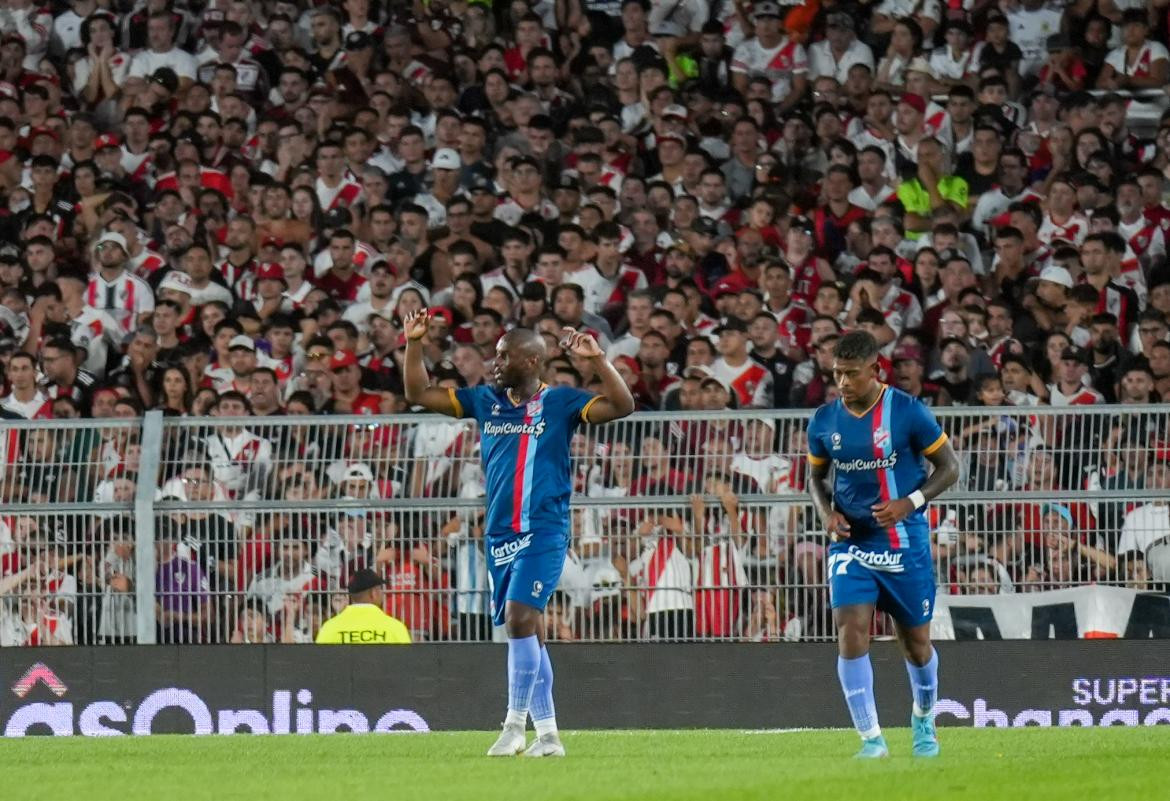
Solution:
(415, 324)
(837, 527)
(891, 512)
(580, 344)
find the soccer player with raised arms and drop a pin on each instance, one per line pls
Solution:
(877, 439)
(525, 428)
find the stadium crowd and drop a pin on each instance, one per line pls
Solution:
(226, 210)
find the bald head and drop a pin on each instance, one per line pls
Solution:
(520, 357)
(526, 342)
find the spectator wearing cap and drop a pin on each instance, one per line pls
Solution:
(1138, 63)
(242, 361)
(953, 376)
(445, 170)
(839, 51)
(124, 296)
(808, 269)
(1051, 300)
(348, 396)
(377, 294)
(772, 54)
(268, 296)
(748, 379)
(1072, 386)
(363, 621)
(162, 52)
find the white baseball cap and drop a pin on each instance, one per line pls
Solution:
(446, 159)
(176, 280)
(112, 236)
(242, 341)
(1057, 275)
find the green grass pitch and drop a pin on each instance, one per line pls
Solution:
(984, 764)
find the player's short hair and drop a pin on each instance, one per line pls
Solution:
(856, 345)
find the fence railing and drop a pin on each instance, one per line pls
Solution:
(689, 526)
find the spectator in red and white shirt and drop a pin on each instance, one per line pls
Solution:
(335, 186)
(749, 380)
(125, 297)
(1072, 387)
(25, 398)
(772, 54)
(607, 282)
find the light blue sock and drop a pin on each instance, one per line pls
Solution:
(857, 682)
(544, 714)
(924, 684)
(523, 666)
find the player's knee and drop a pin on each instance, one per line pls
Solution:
(520, 620)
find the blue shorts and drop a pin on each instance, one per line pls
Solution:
(891, 581)
(524, 568)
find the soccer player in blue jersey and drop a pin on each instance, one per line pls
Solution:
(525, 427)
(877, 440)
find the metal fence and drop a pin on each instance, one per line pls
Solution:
(683, 527)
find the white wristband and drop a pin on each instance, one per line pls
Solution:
(917, 498)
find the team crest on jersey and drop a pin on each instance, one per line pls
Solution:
(836, 439)
(880, 437)
(495, 409)
(533, 408)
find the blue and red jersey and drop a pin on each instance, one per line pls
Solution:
(525, 453)
(877, 456)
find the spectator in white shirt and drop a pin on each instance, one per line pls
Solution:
(162, 52)
(1148, 524)
(839, 50)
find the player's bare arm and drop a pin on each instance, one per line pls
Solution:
(415, 378)
(836, 526)
(615, 401)
(946, 472)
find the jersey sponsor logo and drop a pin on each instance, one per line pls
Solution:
(503, 554)
(537, 588)
(884, 561)
(887, 463)
(504, 429)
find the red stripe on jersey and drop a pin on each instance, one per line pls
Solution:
(518, 484)
(883, 485)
